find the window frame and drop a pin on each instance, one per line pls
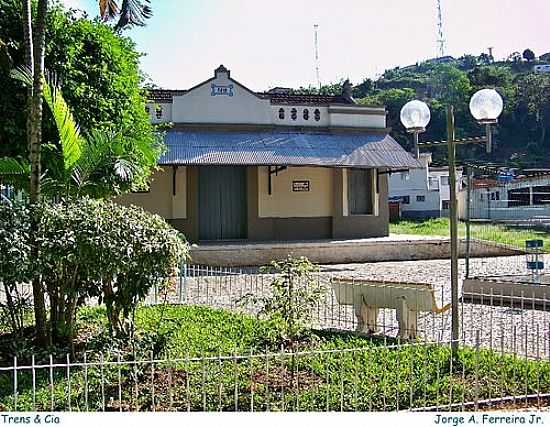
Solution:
(372, 175)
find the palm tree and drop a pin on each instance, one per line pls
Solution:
(95, 165)
(35, 41)
(129, 13)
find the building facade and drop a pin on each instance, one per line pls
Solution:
(423, 192)
(518, 199)
(260, 166)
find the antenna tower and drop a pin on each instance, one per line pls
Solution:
(440, 36)
(316, 38)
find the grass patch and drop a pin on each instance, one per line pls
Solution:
(493, 232)
(332, 371)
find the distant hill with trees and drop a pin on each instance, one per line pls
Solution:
(522, 136)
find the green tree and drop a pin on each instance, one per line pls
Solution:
(528, 55)
(101, 82)
(94, 165)
(534, 90)
(450, 85)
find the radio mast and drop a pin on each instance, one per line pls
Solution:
(317, 67)
(440, 36)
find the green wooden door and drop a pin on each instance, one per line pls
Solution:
(222, 203)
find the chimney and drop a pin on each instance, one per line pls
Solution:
(346, 92)
(220, 71)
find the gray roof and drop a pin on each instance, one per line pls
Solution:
(202, 147)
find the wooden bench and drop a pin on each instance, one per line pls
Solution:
(368, 296)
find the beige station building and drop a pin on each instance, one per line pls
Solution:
(270, 166)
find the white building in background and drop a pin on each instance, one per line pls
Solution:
(423, 192)
(542, 68)
(523, 198)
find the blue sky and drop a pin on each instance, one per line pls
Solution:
(270, 43)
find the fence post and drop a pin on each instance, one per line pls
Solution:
(15, 384)
(468, 217)
(476, 388)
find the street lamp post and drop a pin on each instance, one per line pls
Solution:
(485, 106)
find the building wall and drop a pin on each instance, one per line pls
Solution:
(300, 121)
(242, 106)
(427, 188)
(357, 117)
(199, 106)
(284, 202)
(345, 226)
(322, 214)
(160, 198)
(486, 205)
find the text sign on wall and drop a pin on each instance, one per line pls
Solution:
(223, 90)
(302, 185)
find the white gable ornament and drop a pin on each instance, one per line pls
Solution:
(223, 90)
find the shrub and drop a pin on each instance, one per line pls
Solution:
(90, 249)
(14, 263)
(295, 295)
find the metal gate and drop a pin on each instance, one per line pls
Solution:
(222, 203)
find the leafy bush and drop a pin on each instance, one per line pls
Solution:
(14, 263)
(101, 249)
(295, 295)
(90, 249)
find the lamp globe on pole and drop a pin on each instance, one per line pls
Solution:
(415, 116)
(486, 106)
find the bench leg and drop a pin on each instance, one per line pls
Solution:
(367, 317)
(407, 320)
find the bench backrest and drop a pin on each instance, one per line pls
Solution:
(419, 296)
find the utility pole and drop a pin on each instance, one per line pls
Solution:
(469, 171)
(453, 218)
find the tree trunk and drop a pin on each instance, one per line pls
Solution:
(29, 61)
(35, 41)
(12, 309)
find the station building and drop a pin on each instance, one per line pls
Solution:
(270, 166)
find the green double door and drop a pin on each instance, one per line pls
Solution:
(222, 203)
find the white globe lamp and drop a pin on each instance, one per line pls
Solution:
(415, 116)
(486, 106)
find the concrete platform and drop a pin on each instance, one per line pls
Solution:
(392, 248)
(510, 291)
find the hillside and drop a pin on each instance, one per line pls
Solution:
(522, 138)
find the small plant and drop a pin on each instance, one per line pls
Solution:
(296, 293)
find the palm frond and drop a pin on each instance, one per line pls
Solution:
(108, 9)
(22, 74)
(134, 12)
(5, 57)
(15, 172)
(69, 132)
(13, 167)
(125, 169)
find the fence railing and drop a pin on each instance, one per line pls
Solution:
(414, 376)
(516, 320)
